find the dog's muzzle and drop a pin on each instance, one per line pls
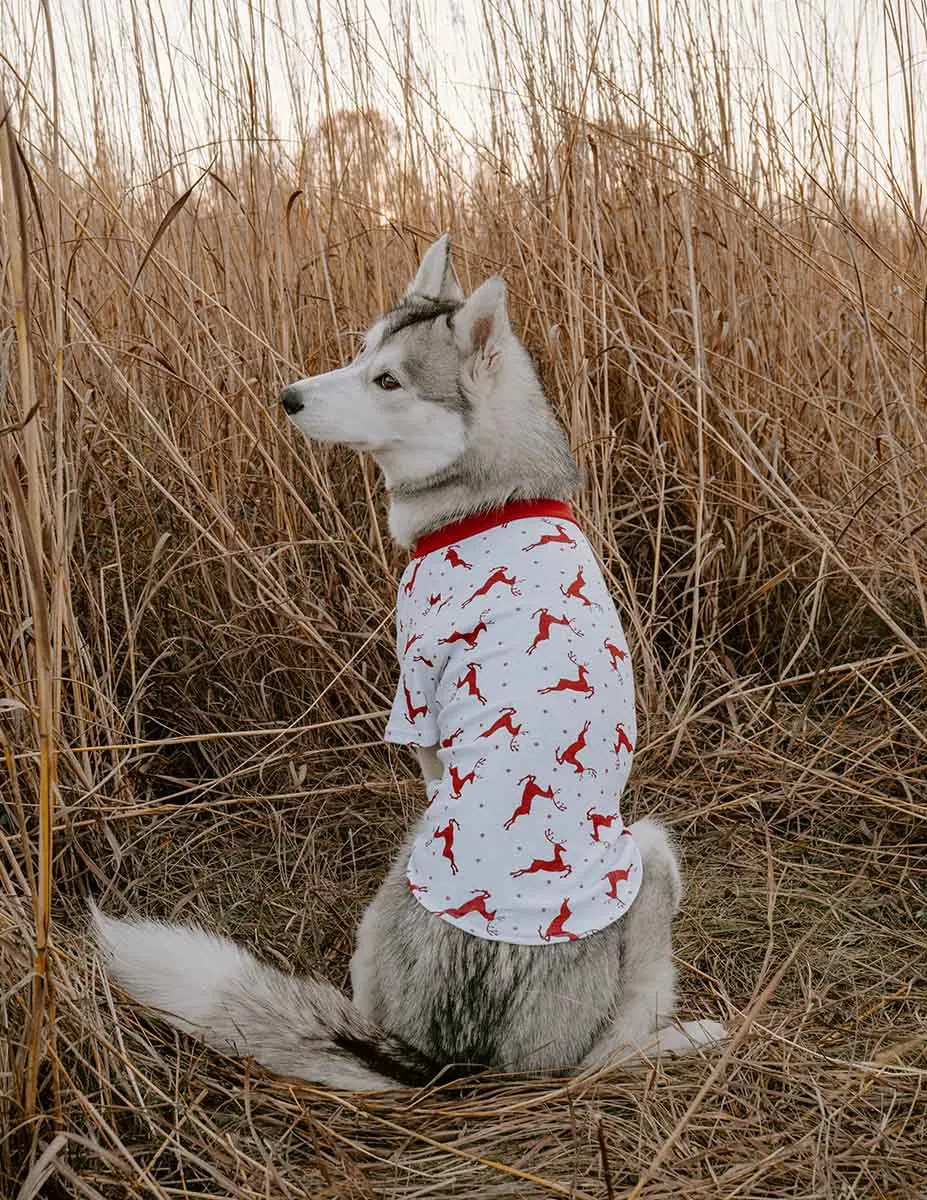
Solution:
(290, 399)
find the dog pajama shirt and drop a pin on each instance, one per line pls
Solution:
(514, 664)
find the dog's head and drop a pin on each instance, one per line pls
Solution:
(426, 373)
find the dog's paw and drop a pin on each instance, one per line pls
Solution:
(703, 1034)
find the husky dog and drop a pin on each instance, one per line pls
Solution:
(447, 400)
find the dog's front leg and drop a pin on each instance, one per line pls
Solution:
(430, 764)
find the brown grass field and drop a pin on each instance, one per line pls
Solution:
(195, 605)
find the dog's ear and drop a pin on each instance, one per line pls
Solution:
(482, 327)
(435, 277)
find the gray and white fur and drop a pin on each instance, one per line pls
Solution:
(447, 400)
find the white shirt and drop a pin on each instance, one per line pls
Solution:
(515, 665)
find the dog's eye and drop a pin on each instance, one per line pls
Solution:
(387, 382)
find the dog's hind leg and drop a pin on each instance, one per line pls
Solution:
(643, 1025)
(685, 1037)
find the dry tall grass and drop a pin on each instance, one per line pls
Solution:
(196, 607)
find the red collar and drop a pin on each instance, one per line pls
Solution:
(480, 522)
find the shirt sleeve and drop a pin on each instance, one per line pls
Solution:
(413, 719)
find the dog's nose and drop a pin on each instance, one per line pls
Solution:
(290, 400)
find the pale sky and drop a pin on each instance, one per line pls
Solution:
(799, 56)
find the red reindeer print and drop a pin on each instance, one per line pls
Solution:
(434, 598)
(447, 834)
(498, 576)
(451, 738)
(413, 712)
(580, 684)
(545, 621)
(569, 755)
(416, 887)
(505, 722)
(429, 662)
(410, 582)
(618, 655)
(532, 790)
(459, 782)
(547, 864)
(469, 636)
(623, 741)
(600, 821)
(619, 875)
(476, 904)
(411, 640)
(575, 591)
(556, 927)
(469, 682)
(549, 538)
(455, 560)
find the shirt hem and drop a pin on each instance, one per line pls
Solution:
(512, 941)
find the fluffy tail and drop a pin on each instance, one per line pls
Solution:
(220, 993)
